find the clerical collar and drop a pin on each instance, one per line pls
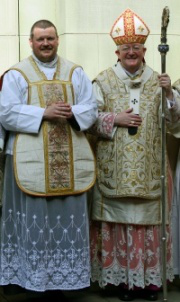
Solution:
(136, 74)
(51, 64)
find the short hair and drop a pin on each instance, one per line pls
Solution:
(42, 24)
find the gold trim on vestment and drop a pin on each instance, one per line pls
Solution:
(50, 82)
(42, 93)
(23, 74)
(46, 159)
(71, 72)
(39, 90)
(46, 128)
(57, 73)
(70, 79)
(29, 94)
(64, 92)
(36, 68)
(46, 125)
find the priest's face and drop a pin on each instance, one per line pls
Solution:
(44, 43)
(131, 56)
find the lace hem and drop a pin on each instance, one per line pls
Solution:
(41, 256)
(116, 275)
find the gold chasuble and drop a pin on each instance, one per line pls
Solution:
(128, 188)
(129, 165)
(58, 160)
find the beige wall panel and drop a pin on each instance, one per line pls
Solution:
(84, 16)
(172, 58)
(97, 52)
(8, 17)
(8, 53)
(60, 15)
(106, 50)
(153, 56)
(97, 16)
(62, 46)
(151, 12)
(84, 27)
(82, 50)
(25, 47)
(34, 10)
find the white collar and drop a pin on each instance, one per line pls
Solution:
(51, 64)
(132, 75)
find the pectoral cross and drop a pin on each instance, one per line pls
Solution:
(134, 101)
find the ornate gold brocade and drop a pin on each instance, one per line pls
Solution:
(129, 166)
(58, 142)
(57, 135)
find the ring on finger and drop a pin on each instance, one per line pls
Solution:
(132, 122)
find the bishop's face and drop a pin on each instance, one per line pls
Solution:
(131, 56)
(44, 43)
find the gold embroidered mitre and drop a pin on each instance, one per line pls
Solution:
(129, 28)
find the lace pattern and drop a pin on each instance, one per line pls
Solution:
(128, 254)
(50, 259)
(44, 241)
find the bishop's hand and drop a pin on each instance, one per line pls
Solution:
(127, 119)
(165, 82)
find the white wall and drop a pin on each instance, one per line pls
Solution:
(84, 27)
(8, 33)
